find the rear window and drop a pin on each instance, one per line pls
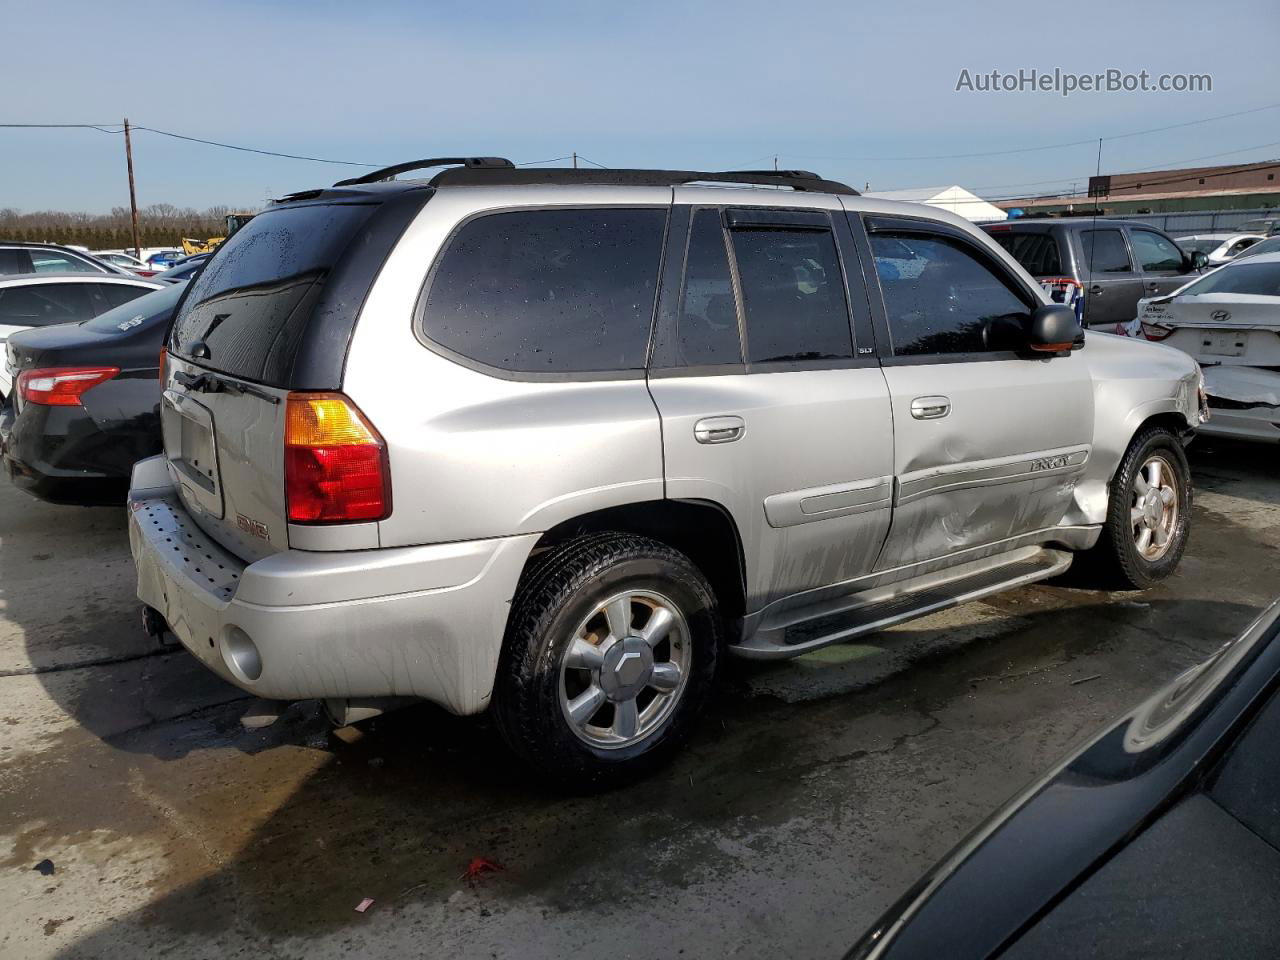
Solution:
(137, 312)
(1037, 252)
(251, 304)
(1252, 278)
(549, 291)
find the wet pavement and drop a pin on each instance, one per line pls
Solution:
(815, 793)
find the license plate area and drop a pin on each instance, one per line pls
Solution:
(191, 449)
(1229, 344)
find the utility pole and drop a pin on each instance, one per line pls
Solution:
(575, 159)
(133, 196)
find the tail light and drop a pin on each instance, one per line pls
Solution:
(335, 463)
(1156, 331)
(164, 364)
(61, 386)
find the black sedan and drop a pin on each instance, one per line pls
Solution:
(1160, 839)
(86, 402)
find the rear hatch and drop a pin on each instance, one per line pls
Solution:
(272, 312)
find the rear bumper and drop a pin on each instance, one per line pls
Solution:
(423, 622)
(1255, 423)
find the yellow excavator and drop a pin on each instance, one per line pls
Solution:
(234, 222)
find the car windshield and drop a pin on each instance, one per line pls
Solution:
(1253, 278)
(135, 313)
(1205, 245)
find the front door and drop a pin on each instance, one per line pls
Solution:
(768, 409)
(987, 445)
(1164, 267)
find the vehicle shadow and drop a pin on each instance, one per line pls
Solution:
(1247, 469)
(398, 810)
(73, 656)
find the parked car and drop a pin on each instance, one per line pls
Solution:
(126, 261)
(164, 259)
(87, 405)
(1159, 839)
(417, 444)
(1113, 263)
(17, 258)
(40, 300)
(184, 269)
(1267, 226)
(1269, 245)
(1218, 247)
(1229, 320)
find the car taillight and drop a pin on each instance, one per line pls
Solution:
(335, 463)
(164, 363)
(61, 386)
(1156, 331)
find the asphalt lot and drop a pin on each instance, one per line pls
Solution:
(815, 793)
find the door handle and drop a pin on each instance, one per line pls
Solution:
(719, 429)
(1097, 290)
(930, 408)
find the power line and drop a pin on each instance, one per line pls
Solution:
(267, 153)
(592, 162)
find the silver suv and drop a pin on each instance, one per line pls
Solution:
(553, 442)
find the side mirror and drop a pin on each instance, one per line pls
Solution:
(1199, 260)
(1053, 328)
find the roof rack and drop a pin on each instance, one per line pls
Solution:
(386, 173)
(484, 175)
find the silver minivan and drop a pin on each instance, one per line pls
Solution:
(556, 441)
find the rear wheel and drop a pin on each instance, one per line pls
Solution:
(1149, 514)
(611, 652)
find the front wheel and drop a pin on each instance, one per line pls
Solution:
(610, 656)
(1149, 514)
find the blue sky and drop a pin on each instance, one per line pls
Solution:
(837, 87)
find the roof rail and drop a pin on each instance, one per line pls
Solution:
(470, 175)
(386, 173)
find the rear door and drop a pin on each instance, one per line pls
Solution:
(987, 445)
(1112, 285)
(770, 406)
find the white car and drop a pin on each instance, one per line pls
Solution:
(45, 299)
(1220, 248)
(1229, 320)
(120, 259)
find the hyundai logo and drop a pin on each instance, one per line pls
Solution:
(1220, 315)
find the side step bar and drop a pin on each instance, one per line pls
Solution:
(882, 607)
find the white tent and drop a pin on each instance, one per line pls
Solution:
(955, 199)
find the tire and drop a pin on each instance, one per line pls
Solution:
(549, 671)
(1118, 561)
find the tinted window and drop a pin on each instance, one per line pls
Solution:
(549, 291)
(792, 295)
(1154, 252)
(1271, 245)
(942, 299)
(1241, 245)
(42, 304)
(115, 294)
(1205, 246)
(1244, 276)
(14, 261)
(1037, 252)
(707, 325)
(252, 302)
(143, 310)
(51, 261)
(1104, 251)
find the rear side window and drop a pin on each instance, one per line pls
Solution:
(707, 325)
(549, 291)
(792, 295)
(44, 304)
(1105, 252)
(1037, 252)
(51, 261)
(942, 299)
(251, 304)
(117, 293)
(14, 261)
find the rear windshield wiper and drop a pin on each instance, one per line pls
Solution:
(212, 383)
